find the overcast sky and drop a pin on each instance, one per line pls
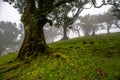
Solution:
(8, 13)
(94, 11)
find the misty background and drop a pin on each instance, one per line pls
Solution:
(12, 30)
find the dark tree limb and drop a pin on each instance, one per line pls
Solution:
(103, 3)
(62, 2)
(49, 21)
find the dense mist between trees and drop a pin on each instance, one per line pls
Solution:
(12, 36)
(61, 24)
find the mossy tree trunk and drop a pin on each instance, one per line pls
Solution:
(34, 42)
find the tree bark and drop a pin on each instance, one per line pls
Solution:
(34, 43)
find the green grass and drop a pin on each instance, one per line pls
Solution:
(8, 58)
(86, 58)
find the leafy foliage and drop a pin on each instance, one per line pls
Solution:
(116, 8)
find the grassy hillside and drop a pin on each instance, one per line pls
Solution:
(86, 58)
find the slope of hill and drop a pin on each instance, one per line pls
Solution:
(86, 58)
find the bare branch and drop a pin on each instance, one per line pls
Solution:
(76, 15)
(80, 9)
(103, 3)
(49, 21)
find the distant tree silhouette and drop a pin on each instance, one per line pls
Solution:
(108, 19)
(89, 24)
(51, 32)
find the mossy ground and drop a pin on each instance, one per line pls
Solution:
(86, 58)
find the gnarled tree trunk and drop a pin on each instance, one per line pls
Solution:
(34, 42)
